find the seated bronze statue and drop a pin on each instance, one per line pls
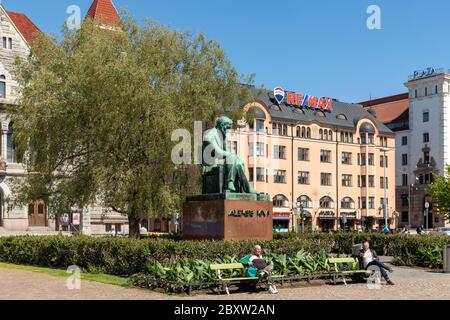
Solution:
(215, 155)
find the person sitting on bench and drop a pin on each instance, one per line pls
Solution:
(368, 258)
(260, 267)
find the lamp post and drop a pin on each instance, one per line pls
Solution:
(386, 227)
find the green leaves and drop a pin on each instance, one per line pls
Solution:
(440, 191)
(97, 110)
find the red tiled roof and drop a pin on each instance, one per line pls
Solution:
(389, 109)
(105, 12)
(26, 27)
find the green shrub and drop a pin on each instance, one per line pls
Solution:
(124, 257)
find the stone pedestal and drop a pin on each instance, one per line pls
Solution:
(223, 219)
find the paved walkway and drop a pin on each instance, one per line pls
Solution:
(410, 284)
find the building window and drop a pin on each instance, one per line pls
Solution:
(371, 159)
(280, 201)
(362, 159)
(157, 225)
(259, 149)
(347, 180)
(303, 154)
(7, 43)
(371, 202)
(384, 182)
(404, 159)
(279, 152)
(279, 129)
(325, 179)
(371, 138)
(426, 157)
(10, 148)
(325, 156)
(426, 92)
(346, 158)
(405, 217)
(426, 137)
(304, 201)
(279, 176)
(232, 146)
(362, 181)
(436, 89)
(259, 124)
(405, 201)
(405, 141)
(260, 176)
(347, 203)
(363, 203)
(384, 161)
(308, 133)
(405, 179)
(415, 93)
(303, 177)
(2, 86)
(426, 116)
(326, 203)
(371, 181)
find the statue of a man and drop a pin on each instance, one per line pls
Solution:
(215, 154)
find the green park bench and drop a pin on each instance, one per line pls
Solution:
(223, 283)
(338, 272)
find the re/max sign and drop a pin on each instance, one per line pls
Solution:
(304, 100)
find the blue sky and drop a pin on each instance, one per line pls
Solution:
(319, 47)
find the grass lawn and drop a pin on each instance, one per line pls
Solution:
(100, 277)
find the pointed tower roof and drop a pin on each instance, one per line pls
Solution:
(25, 26)
(105, 12)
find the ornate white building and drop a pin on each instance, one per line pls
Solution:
(16, 38)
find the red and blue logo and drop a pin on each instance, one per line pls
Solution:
(278, 93)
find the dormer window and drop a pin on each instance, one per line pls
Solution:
(2, 86)
(341, 117)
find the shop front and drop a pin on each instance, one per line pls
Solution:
(326, 221)
(305, 221)
(281, 222)
(349, 221)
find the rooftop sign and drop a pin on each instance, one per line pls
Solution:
(428, 72)
(302, 100)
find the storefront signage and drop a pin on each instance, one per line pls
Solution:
(326, 214)
(302, 100)
(249, 213)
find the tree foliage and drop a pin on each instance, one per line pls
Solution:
(440, 191)
(97, 109)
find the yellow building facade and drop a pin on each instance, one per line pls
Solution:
(324, 169)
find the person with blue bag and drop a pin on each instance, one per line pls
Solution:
(259, 267)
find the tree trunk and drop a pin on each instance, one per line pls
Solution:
(133, 225)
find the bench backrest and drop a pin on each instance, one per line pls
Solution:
(342, 260)
(227, 266)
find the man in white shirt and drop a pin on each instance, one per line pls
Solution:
(368, 258)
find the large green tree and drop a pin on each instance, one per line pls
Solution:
(97, 110)
(440, 191)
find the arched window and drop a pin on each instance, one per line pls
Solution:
(321, 134)
(347, 203)
(320, 114)
(303, 132)
(308, 133)
(304, 201)
(330, 135)
(326, 203)
(280, 201)
(341, 117)
(2, 86)
(325, 135)
(298, 132)
(10, 157)
(157, 225)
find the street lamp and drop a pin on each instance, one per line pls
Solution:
(386, 227)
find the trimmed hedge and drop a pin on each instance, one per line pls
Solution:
(119, 256)
(124, 257)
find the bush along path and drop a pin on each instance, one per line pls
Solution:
(169, 261)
